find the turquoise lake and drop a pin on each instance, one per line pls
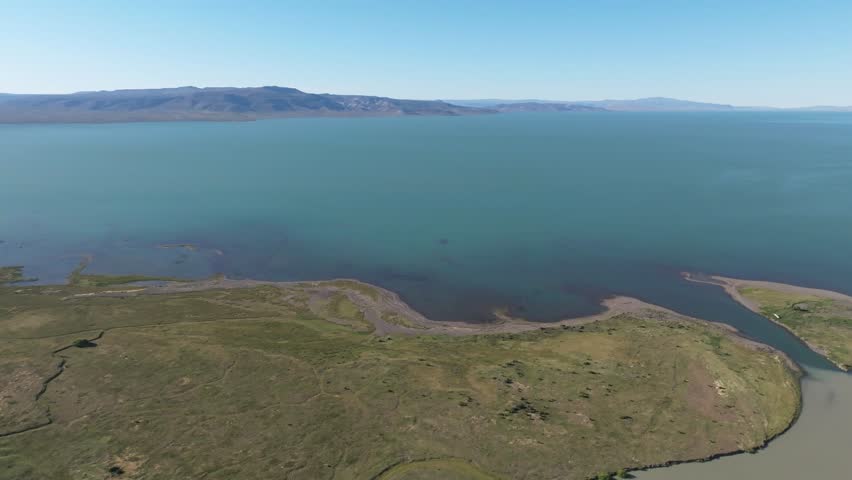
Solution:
(543, 213)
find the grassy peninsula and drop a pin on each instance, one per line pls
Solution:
(821, 318)
(224, 379)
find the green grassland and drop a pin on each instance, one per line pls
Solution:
(824, 323)
(12, 275)
(259, 383)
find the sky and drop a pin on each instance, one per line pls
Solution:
(744, 52)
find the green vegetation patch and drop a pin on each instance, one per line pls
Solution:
(824, 323)
(339, 307)
(13, 275)
(395, 318)
(250, 383)
(79, 279)
(107, 280)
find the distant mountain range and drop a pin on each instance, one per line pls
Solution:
(544, 107)
(240, 104)
(221, 104)
(652, 104)
(658, 104)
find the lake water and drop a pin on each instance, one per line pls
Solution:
(542, 213)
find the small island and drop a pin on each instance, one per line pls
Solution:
(221, 378)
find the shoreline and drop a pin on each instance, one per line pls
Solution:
(505, 324)
(730, 286)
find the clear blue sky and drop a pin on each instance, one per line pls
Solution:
(747, 52)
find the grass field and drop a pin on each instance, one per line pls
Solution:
(824, 323)
(284, 382)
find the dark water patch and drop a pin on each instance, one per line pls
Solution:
(590, 293)
(448, 260)
(149, 261)
(474, 305)
(344, 266)
(393, 275)
(218, 262)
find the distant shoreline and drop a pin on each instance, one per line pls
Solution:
(229, 104)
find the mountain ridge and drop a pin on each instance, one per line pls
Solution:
(189, 103)
(545, 107)
(660, 104)
(211, 103)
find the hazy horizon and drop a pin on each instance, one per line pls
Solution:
(779, 53)
(450, 100)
